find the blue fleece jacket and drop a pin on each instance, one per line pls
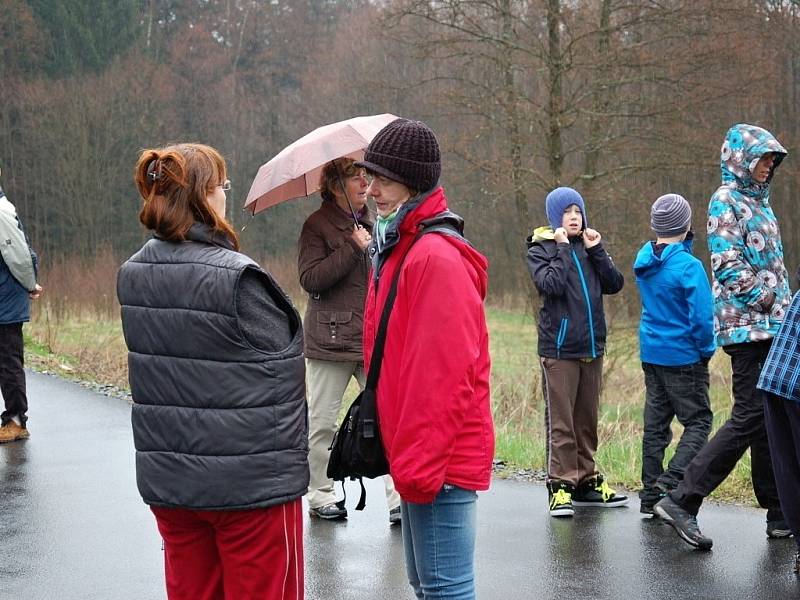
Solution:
(677, 326)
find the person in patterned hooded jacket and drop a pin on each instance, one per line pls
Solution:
(751, 294)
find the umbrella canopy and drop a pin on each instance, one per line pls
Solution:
(294, 172)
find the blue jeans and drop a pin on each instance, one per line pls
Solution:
(439, 544)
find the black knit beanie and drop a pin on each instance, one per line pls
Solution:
(405, 151)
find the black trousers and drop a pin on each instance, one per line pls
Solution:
(672, 392)
(744, 429)
(12, 373)
(783, 430)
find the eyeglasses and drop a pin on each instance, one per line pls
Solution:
(225, 185)
(380, 178)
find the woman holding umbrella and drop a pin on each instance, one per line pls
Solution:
(216, 373)
(334, 268)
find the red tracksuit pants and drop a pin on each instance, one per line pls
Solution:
(233, 555)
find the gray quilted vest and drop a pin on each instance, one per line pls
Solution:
(217, 423)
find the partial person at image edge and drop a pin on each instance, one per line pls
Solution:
(780, 382)
(19, 268)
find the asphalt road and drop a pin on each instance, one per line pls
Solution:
(72, 526)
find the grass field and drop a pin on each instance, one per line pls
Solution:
(518, 405)
(86, 344)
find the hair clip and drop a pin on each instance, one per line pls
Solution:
(152, 175)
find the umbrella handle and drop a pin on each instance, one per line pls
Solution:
(252, 214)
(344, 190)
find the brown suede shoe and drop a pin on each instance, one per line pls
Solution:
(11, 432)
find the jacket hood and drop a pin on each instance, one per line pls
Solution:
(744, 144)
(541, 234)
(446, 219)
(433, 211)
(648, 261)
(430, 209)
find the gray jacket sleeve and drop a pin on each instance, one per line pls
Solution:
(263, 323)
(16, 251)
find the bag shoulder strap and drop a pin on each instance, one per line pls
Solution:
(380, 339)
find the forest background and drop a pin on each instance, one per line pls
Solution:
(624, 100)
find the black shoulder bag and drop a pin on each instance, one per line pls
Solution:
(357, 449)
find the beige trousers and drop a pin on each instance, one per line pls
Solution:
(326, 382)
(571, 399)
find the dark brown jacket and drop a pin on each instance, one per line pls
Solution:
(334, 271)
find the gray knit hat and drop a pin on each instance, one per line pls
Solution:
(671, 215)
(405, 151)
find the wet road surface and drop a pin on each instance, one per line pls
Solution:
(72, 526)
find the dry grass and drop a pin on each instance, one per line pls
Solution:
(75, 326)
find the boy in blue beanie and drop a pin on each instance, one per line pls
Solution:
(676, 341)
(572, 271)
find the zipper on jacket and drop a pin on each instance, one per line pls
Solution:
(562, 334)
(586, 298)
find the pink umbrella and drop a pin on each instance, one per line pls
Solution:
(294, 172)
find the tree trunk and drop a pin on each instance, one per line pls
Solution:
(555, 101)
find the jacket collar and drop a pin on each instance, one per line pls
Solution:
(409, 216)
(421, 207)
(200, 232)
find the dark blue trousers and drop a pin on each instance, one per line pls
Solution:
(12, 373)
(782, 418)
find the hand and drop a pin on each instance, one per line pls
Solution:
(768, 300)
(591, 238)
(361, 236)
(37, 291)
(560, 235)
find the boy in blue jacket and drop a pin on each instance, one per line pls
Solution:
(676, 341)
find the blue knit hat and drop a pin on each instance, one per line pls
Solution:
(558, 201)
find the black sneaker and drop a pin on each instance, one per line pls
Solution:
(778, 529)
(559, 496)
(648, 508)
(330, 512)
(646, 504)
(594, 491)
(684, 523)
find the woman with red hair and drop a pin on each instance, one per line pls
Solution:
(217, 378)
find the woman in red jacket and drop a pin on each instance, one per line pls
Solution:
(433, 391)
